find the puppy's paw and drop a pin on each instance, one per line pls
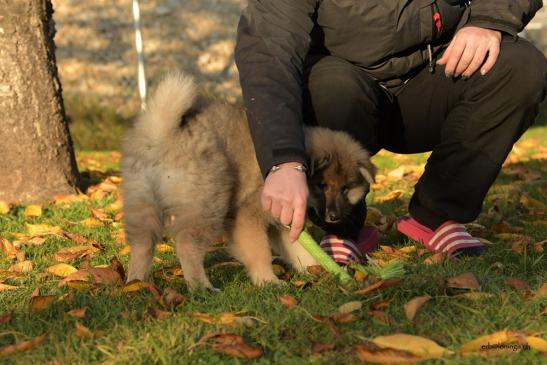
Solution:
(266, 280)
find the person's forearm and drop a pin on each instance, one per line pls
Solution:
(272, 42)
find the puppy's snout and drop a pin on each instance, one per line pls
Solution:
(332, 216)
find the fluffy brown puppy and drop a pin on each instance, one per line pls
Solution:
(189, 166)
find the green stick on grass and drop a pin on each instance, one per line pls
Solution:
(307, 241)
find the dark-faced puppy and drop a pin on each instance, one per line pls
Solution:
(340, 179)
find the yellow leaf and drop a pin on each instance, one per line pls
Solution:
(4, 207)
(8, 248)
(4, 287)
(24, 266)
(412, 307)
(474, 296)
(42, 229)
(359, 276)
(91, 222)
(125, 250)
(416, 345)
(62, 270)
(33, 211)
(529, 201)
(163, 247)
(350, 307)
(68, 199)
(393, 195)
(135, 286)
(537, 343)
(475, 345)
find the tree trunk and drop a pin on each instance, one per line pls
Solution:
(36, 155)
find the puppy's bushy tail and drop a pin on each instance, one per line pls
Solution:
(172, 98)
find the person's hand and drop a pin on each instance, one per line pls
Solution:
(471, 48)
(285, 196)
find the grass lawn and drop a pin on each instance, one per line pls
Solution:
(120, 327)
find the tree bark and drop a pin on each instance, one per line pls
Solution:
(36, 154)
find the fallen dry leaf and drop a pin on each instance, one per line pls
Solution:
(91, 222)
(517, 284)
(4, 287)
(135, 286)
(380, 284)
(83, 332)
(42, 229)
(100, 215)
(225, 318)
(288, 301)
(315, 270)
(172, 297)
(5, 318)
(33, 211)
(4, 207)
(369, 352)
(69, 198)
(163, 247)
(416, 345)
(157, 313)
(22, 267)
(412, 307)
(81, 276)
(78, 238)
(231, 344)
(391, 196)
(40, 302)
(117, 266)
(537, 343)
(77, 313)
(8, 248)
(343, 317)
(359, 276)
(350, 307)
(80, 285)
(23, 346)
(476, 345)
(381, 316)
(319, 347)
(542, 292)
(463, 281)
(62, 270)
(74, 252)
(104, 276)
(474, 296)
(436, 258)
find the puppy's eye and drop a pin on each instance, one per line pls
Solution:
(322, 185)
(345, 190)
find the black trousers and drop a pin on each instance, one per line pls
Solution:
(469, 125)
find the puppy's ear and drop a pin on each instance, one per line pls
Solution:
(319, 164)
(368, 171)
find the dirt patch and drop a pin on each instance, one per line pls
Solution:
(96, 55)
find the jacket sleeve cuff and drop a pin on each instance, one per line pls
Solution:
(283, 155)
(494, 24)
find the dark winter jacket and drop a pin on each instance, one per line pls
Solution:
(387, 38)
